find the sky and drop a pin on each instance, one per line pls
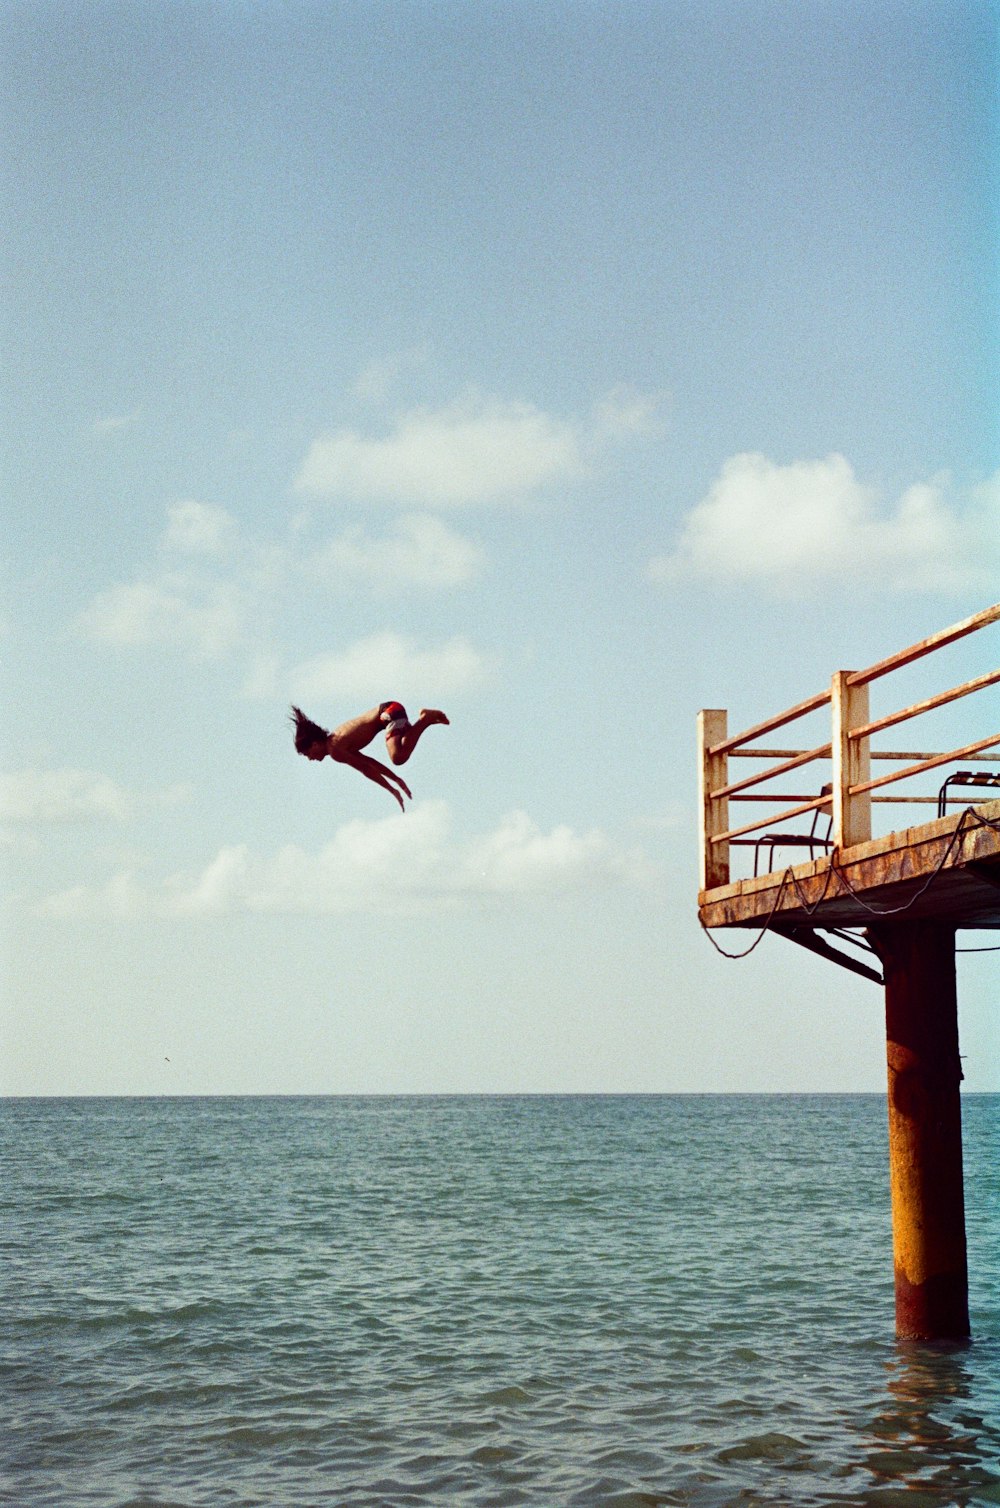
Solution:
(570, 367)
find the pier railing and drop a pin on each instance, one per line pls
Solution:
(846, 797)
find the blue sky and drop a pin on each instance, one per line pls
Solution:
(568, 366)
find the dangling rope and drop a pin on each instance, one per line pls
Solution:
(835, 871)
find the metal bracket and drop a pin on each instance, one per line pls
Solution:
(807, 937)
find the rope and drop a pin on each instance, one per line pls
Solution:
(977, 820)
(760, 935)
(954, 840)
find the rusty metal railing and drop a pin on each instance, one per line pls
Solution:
(849, 798)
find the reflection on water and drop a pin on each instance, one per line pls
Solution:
(928, 1431)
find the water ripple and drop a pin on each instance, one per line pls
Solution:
(482, 1302)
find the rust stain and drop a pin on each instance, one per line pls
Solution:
(886, 872)
(938, 1306)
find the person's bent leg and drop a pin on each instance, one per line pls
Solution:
(401, 742)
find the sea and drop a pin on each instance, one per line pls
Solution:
(544, 1300)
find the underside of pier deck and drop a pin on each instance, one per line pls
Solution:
(948, 870)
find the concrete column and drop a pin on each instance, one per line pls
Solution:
(925, 1128)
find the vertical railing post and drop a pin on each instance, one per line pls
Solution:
(852, 815)
(713, 772)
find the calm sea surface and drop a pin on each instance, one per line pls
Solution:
(483, 1301)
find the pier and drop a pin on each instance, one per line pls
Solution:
(886, 905)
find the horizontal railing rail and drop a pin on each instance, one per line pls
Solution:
(849, 796)
(785, 816)
(811, 705)
(877, 800)
(926, 646)
(927, 705)
(807, 757)
(926, 764)
(875, 754)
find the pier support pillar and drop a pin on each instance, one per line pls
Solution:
(925, 1128)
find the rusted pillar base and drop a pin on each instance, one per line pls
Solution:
(925, 1129)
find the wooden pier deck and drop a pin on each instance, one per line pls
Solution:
(948, 869)
(898, 898)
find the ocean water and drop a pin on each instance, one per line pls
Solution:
(482, 1301)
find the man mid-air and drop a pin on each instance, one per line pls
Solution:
(345, 743)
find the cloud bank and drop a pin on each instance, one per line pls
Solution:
(390, 659)
(813, 520)
(469, 452)
(212, 590)
(45, 797)
(388, 865)
(420, 551)
(473, 451)
(215, 592)
(198, 529)
(206, 619)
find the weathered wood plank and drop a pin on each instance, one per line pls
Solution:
(713, 772)
(852, 807)
(883, 873)
(916, 709)
(821, 751)
(924, 647)
(799, 710)
(933, 763)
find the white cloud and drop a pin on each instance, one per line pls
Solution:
(812, 520)
(204, 606)
(393, 662)
(115, 422)
(419, 551)
(43, 796)
(390, 865)
(37, 797)
(474, 451)
(223, 598)
(204, 618)
(518, 856)
(121, 897)
(198, 529)
(625, 411)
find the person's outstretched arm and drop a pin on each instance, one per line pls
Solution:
(379, 773)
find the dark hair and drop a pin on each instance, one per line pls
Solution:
(307, 732)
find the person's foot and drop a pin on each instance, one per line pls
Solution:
(431, 715)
